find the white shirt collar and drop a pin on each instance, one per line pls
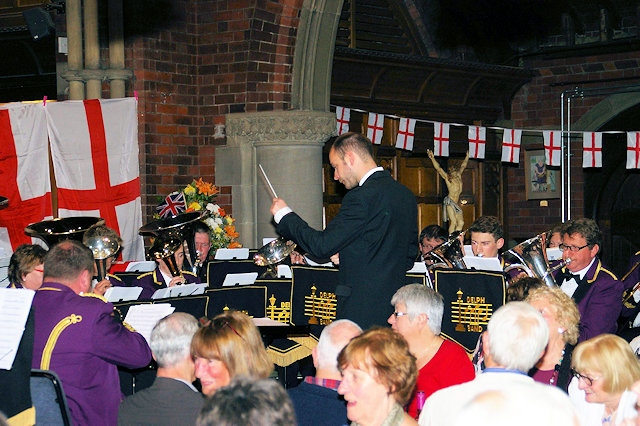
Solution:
(369, 173)
(582, 272)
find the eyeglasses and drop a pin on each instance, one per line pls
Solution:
(574, 249)
(588, 380)
(399, 314)
(39, 270)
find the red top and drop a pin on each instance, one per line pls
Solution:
(449, 366)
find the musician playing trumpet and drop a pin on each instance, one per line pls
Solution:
(163, 276)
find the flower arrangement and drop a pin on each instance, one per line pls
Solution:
(200, 195)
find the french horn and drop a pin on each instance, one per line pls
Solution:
(53, 231)
(530, 256)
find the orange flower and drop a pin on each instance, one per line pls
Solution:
(221, 212)
(230, 230)
(206, 188)
(235, 244)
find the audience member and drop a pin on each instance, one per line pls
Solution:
(374, 232)
(603, 368)
(79, 338)
(26, 267)
(109, 279)
(516, 337)
(595, 289)
(162, 276)
(378, 377)
(172, 399)
(316, 399)
(430, 237)
(441, 363)
(248, 402)
(229, 346)
(562, 317)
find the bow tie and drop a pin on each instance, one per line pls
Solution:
(566, 275)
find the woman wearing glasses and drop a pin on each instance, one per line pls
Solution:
(229, 346)
(603, 368)
(441, 363)
(26, 267)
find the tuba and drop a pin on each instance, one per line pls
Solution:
(169, 235)
(102, 247)
(531, 257)
(53, 231)
(448, 254)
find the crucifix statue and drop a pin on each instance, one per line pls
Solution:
(451, 211)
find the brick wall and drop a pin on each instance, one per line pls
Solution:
(538, 105)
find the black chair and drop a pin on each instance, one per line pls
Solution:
(49, 399)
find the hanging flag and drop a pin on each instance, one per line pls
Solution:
(633, 150)
(477, 141)
(342, 119)
(552, 147)
(441, 139)
(511, 145)
(172, 205)
(94, 145)
(406, 134)
(24, 165)
(592, 149)
(375, 127)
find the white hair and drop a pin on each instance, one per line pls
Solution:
(333, 338)
(171, 337)
(420, 299)
(518, 335)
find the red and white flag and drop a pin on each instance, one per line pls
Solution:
(375, 127)
(633, 150)
(24, 166)
(441, 139)
(94, 145)
(552, 147)
(342, 120)
(592, 149)
(406, 134)
(511, 145)
(477, 141)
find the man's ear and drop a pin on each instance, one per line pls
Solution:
(314, 356)
(594, 250)
(485, 342)
(499, 243)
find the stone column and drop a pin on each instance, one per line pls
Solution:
(288, 145)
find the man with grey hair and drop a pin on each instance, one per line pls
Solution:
(316, 399)
(515, 339)
(172, 399)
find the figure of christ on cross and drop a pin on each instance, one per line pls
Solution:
(452, 212)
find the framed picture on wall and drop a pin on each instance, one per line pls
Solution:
(541, 182)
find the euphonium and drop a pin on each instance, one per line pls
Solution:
(53, 231)
(448, 254)
(530, 256)
(102, 247)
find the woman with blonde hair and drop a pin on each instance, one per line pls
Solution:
(604, 367)
(562, 316)
(378, 377)
(229, 346)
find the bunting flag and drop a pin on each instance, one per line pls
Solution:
(592, 149)
(24, 167)
(552, 147)
(172, 205)
(633, 150)
(441, 139)
(406, 134)
(511, 145)
(477, 141)
(94, 147)
(375, 127)
(342, 120)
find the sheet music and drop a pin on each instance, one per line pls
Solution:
(122, 294)
(180, 290)
(240, 279)
(418, 268)
(236, 253)
(482, 263)
(144, 317)
(14, 311)
(554, 253)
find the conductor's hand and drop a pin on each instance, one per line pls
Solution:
(278, 203)
(101, 287)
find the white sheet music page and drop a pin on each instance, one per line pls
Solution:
(144, 317)
(14, 311)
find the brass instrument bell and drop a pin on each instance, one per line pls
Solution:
(530, 256)
(102, 247)
(53, 231)
(273, 253)
(448, 254)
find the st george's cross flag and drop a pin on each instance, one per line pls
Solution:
(633, 150)
(24, 167)
(477, 141)
(342, 119)
(552, 147)
(591, 149)
(94, 146)
(511, 145)
(406, 134)
(441, 139)
(375, 127)
(172, 205)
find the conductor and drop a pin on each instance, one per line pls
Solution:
(374, 232)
